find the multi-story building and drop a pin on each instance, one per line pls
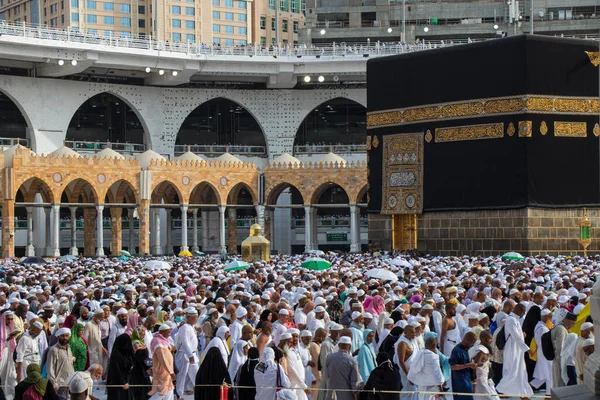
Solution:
(225, 22)
(352, 21)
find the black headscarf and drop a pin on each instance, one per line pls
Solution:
(119, 366)
(246, 376)
(385, 376)
(213, 371)
(387, 346)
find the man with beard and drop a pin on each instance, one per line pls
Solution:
(59, 364)
(93, 336)
(328, 346)
(117, 329)
(28, 350)
(187, 358)
(295, 366)
(209, 327)
(462, 368)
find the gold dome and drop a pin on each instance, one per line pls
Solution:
(256, 230)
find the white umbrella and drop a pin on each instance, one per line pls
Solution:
(157, 264)
(316, 252)
(382, 274)
(400, 262)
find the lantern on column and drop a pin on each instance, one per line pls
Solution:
(585, 232)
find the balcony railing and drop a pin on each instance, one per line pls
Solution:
(215, 150)
(327, 222)
(7, 142)
(94, 147)
(324, 149)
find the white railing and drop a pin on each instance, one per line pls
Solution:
(213, 150)
(93, 147)
(333, 148)
(7, 141)
(335, 50)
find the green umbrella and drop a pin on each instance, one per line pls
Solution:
(68, 257)
(315, 264)
(123, 258)
(125, 253)
(236, 266)
(513, 256)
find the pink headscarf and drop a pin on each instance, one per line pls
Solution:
(367, 302)
(4, 332)
(376, 306)
(190, 292)
(159, 340)
(132, 322)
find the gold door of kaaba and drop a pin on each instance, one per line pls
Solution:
(404, 231)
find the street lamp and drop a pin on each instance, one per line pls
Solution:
(307, 79)
(426, 29)
(389, 30)
(321, 78)
(323, 31)
(496, 27)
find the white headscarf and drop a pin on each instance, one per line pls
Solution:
(238, 358)
(219, 342)
(566, 355)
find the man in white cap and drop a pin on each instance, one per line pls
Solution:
(92, 334)
(279, 326)
(235, 330)
(542, 373)
(582, 301)
(317, 321)
(587, 332)
(117, 329)
(28, 350)
(296, 366)
(357, 329)
(78, 387)
(187, 358)
(328, 346)
(342, 372)
(59, 363)
(162, 365)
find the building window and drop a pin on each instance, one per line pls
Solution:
(216, 28)
(125, 34)
(273, 41)
(228, 16)
(242, 42)
(190, 11)
(176, 10)
(109, 6)
(109, 20)
(229, 42)
(176, 37)
(284, 25)
(92, 31)
(91, 19)
(273, 24)
(190, 24)
(74, 3)
(216, 15)
(190, 37)
(217, 40)
(229, 3)
(263, 41)
(126, 22)
(294, 6)
(271, 4)
(295, 24)
(75, 17)
(141, 9)
(216, 3)
(263, 22)
(229, 29)
(141, 23)
(242, 30)
(108, 33)
(283, 5)
(91, 5)
(243, 18)
(242, 4)
(176, 23)
(62, 5)
(125, 8)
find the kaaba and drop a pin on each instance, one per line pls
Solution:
(486, 147)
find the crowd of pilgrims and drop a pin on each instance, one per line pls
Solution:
(448, 327)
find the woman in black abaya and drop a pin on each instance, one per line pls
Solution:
(385, 376)
(213, 371)
(119, 368)
(245, 376)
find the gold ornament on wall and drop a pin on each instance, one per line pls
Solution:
(428, 136)
(596, 130)
(543, 128)
(369, 142)
(511, 129)
(525, 129)
(375, 142)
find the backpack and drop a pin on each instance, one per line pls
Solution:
(31, 394)
(501, 339)
(547, 346)
(493, 327)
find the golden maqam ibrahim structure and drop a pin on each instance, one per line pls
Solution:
(256, 247)
(141, 186)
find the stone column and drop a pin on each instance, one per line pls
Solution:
(56, 230)
(267, 230)
(204, 222)
(156, 249)
(260, 217)
(131, 243)
(73, 251)
(222, 242)
(232, 231)
(184, 233)
(116, 231)
(169, 233)
(29, 250)
(354, 233)
(307, 228)
(89, 217)
(315, 229)
(144, 227)
(48, 249)
(8, 228)
(99, 231)
(195, 224)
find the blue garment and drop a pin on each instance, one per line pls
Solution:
(445, 365)
(366, 358)
(461, 380)
(357, 339)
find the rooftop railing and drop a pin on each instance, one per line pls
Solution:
(215, 150)
(328, 148)
(94, 147)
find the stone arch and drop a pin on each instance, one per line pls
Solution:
(82, 187)
(237, 103)
(201, 190)
(17, 104)
(118, 190)
(233, 194)
(273, 194)
(334, 108)
(361, 194)
(320, 189)
(147, 138)
(166, 190)
(34, 185)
